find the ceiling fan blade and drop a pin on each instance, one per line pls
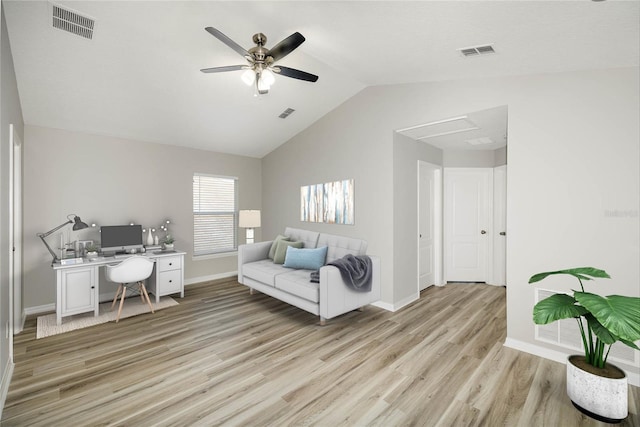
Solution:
(226, 40)
(295, 74)
(222, 69)
(286, 46)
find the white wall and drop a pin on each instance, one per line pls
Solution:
(573, 160)
(113, 181)
(11, 113)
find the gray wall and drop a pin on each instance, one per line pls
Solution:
(574, 175)
(113, 181)
(406, 153)
(344, 144)
(10, 113)
(474, 158)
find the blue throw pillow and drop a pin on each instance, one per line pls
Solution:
(309, 259)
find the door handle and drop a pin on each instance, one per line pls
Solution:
(483, 232)
(503, 233)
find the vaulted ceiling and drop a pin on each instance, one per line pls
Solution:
(139, 76)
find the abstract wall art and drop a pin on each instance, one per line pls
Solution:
(331, 202)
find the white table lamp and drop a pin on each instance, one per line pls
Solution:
(249, 219)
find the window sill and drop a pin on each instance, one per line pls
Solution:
(214, 256)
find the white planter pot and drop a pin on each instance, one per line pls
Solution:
(168, 246)
(602, 398)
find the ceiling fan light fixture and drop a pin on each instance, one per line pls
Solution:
(267, 77)
(249, 77)
(263, 87)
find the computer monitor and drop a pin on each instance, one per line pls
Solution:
(119, 238)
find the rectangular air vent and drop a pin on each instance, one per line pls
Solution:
(477, 50)
(72, 22)
(286, 113)
(566, 333)
(479, 141)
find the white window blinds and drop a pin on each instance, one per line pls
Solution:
(214, 214)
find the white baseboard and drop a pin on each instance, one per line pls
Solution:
(39, 309)
(559, 356)
(4, 385)
(397, 306)
(200, 279)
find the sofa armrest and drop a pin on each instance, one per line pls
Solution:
(251, 253)
(337, 298)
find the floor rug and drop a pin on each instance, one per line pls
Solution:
(132, 307)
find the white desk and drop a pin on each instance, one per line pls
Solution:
(77, 285)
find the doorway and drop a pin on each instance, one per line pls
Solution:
(429, 225)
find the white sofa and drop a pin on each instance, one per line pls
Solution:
(327, 299)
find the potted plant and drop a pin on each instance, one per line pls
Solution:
(597, 388)
(91, 251)
(168, 242)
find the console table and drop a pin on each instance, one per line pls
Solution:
(77, 285)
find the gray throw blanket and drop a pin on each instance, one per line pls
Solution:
(356, 271)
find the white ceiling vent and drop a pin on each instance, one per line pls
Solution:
(480, 141)
(72, 22)
(477, 50)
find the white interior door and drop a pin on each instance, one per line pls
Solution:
(500, 226)
(429, 205)
(468, 220)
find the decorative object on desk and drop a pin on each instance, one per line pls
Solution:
(71, 219)
(149, 238)
(595, 387)
(156, 241)
(249, 219)
(91, 251)
(46, 325)
(165, 226)
(168, 242)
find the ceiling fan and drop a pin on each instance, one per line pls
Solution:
(260, 69)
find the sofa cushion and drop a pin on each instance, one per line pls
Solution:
(263, 271)
(340, 246)
(309, 238)
(272, 250)
(281, 250)
(310, 259)
(297, 282)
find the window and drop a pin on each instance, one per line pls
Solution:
(215, 214)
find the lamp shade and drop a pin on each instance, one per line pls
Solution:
(78, 224)
(249, 219)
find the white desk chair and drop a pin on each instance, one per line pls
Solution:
(131, 271)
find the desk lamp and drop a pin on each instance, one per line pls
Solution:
(77, 225)
(249, 219)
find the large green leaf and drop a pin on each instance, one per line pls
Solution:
(619, 314)
(582, 273)
(601, 332)
(556, 307)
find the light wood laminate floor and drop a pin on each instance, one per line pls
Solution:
(224, 357)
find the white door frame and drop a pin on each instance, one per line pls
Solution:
(437, 223)
(499, 226)
(15, 234)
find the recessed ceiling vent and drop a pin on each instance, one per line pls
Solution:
(286, 113)
(477, 50)
(72, 22)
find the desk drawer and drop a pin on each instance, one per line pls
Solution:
(169, 263)
(169, 282)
